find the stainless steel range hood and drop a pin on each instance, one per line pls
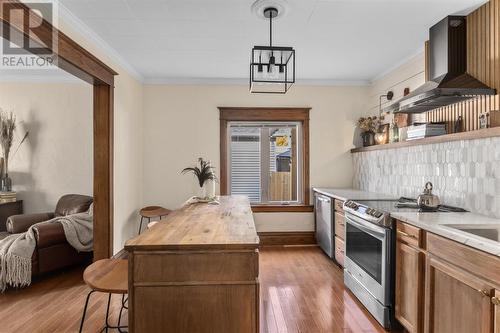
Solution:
(450, 83)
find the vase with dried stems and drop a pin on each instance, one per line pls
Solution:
(7, 129)
(206, 177)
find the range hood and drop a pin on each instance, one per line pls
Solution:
(450, 83)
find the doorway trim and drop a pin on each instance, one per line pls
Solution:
(77, 61)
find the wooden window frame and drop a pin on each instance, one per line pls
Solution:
(77, 61)
(228, 114)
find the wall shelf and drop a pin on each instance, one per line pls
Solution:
(478, 134)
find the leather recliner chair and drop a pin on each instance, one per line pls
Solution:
(52, 251)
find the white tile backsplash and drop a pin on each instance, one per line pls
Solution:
(464, 173)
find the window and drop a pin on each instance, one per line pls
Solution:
(264, 155)
(263, 161)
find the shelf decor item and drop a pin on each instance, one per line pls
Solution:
(382, 135)
(7, 129)
(206, 177)
(368, 126)
(393, 132)
(489, 119)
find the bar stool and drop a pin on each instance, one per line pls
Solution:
(107, 276)
(150, 212)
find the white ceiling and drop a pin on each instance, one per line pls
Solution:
(335, 40)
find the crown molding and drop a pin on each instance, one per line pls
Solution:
(86, 32)
(38, 78)
(244, 82)
(398, 64)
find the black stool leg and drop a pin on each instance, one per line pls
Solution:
(107, 312)
(120, 315)
(140, 225)
(85, 310)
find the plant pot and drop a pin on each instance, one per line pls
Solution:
(202, 192)
(368, 139)
(210, 189)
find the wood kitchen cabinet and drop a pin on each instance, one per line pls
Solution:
(443, 286)
(496, 301)
(462, 288)
(339, 226)
(457, 301)
(410, 265)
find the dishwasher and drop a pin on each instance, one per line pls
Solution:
(323, 207)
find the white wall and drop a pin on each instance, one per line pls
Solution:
(182, 123)
(410, 74)
(57, 157)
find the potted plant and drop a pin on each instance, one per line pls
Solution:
(368, 126)
(206, 177)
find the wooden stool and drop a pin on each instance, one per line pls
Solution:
(107, 276)
(152, 211)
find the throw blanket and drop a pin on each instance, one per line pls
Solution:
(16, 250)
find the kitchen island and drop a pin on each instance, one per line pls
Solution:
(196, 271)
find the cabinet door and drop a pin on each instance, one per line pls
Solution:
(456, 301)
(409, 287)
(496, 301)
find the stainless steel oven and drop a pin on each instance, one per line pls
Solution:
(369, 260)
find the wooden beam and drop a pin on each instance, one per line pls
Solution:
(72, 57)
(103, 171)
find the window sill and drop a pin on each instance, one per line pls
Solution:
(282, 208)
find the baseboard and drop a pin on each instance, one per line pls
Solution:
(287, 238)
(122, 254)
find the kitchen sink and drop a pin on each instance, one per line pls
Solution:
(489, 231)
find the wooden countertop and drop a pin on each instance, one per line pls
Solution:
(202, 226)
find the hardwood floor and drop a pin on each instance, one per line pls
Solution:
(55, 304)
(301, 291)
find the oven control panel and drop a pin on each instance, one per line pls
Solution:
(374, 212)
(372, 215)
(352, 205)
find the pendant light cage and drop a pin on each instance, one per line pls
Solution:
(272, 68)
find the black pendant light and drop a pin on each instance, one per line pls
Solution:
(272, 68)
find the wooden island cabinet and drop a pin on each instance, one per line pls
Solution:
(196, 271)
(443, 286)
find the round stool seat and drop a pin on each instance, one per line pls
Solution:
(108, 276)
(154, 211)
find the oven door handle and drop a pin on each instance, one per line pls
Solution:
(367, 227)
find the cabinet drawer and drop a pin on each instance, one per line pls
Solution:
(409, 234)
(339, 225)
(339, 251)
(339, 206)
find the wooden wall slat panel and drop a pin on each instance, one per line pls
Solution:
(483, 62)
